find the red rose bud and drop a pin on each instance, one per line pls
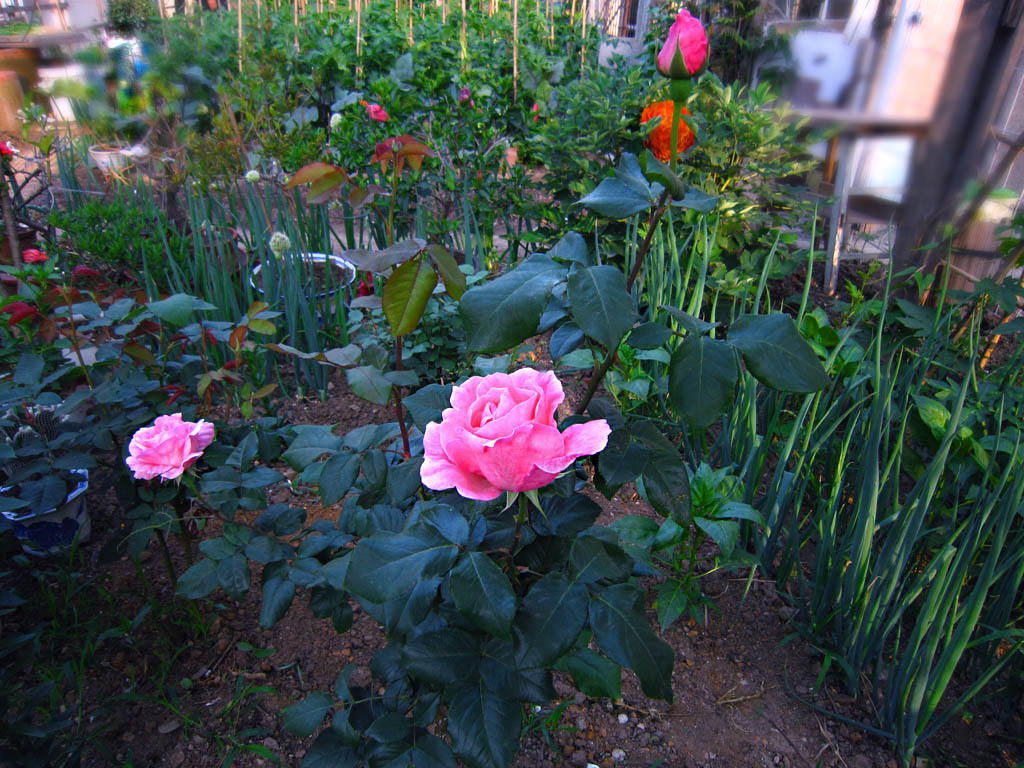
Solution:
(6, 148)
(33, 256)
(686, 48)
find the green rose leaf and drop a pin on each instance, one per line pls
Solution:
(552, 615)
(502, 313)
(278, 593)
(484, 727)
(339, 472)
(199, 580)
(443, 657)
(426, 404)
(233, 575)
(483, 594)
(176, 309)
(304, 717)
(702, 379)
(776, 354)
(601, 305)
(620, 629)
(330, 751)
(386, 565)
(406, 293)
(593, 674)
(369, 383)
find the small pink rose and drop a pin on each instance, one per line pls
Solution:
(685, 49)
(500, 435)
(33, 256)
(464, 94)
(168, 448)
(376, 112)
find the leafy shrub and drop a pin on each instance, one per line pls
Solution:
(128, 16)
(119, 237)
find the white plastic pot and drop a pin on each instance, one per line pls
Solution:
(109, 161)
(339, 263)
(53, 532)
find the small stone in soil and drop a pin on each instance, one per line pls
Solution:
(169, 727)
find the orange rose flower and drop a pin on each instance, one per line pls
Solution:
(660, 139)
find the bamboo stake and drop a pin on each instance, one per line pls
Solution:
(515, 50)
(359, 38)
(583, 34)
(238, 5)
(462, 35)
(411, 43)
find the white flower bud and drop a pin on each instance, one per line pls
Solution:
(279, 243)
(252, 176)
(335, 120)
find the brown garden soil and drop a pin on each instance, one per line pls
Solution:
(735, 681)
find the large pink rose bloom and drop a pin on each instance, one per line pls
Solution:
(168, 448)
(500, 435)
(686, 48)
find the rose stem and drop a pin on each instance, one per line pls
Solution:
(399, 410)
(186, 537)
(520, 519)
(167, 557)
(645, 246)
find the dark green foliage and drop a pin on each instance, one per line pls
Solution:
(479, 604)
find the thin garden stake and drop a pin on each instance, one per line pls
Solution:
(515, 50)
(238, 4)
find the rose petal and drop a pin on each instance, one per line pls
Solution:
(579, 440)
(440, 473)
(509, 462)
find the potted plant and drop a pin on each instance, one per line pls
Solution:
(44, 466)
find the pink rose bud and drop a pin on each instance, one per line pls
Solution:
(500, 435)
(464, 94)
(376, 112)
(168, 448)
(686, 48)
